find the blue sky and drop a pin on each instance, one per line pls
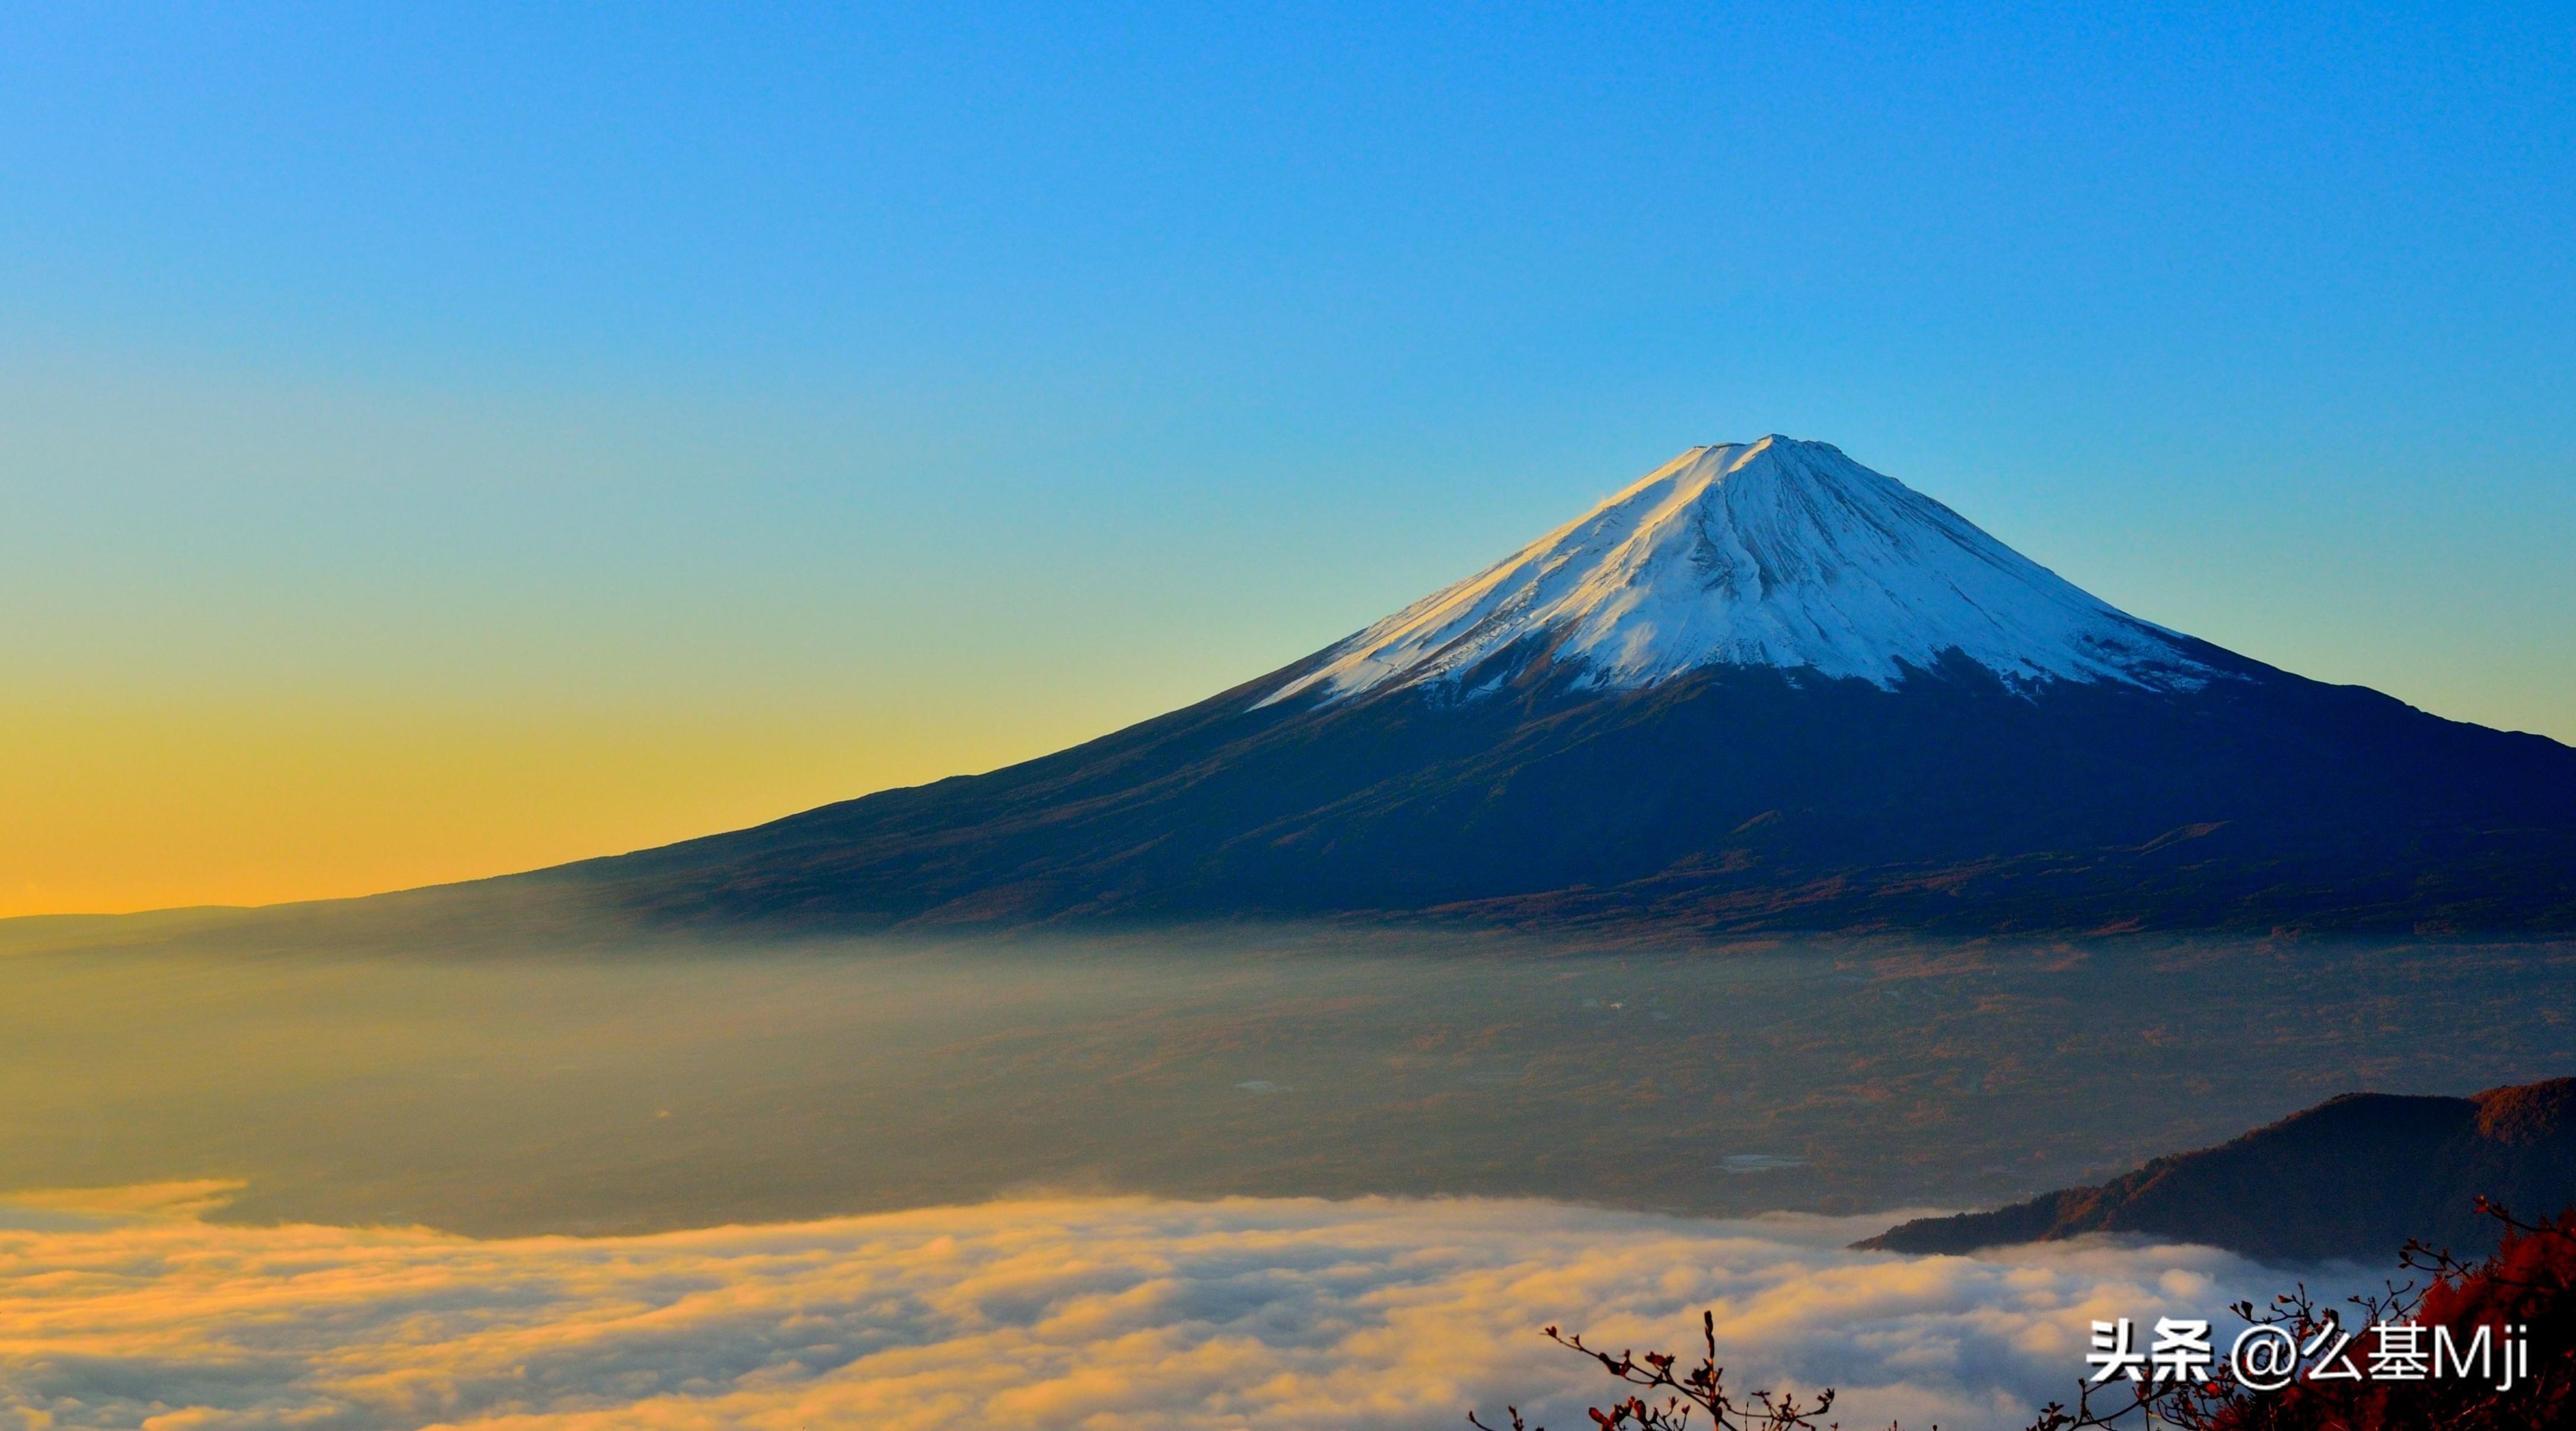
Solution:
(901, 391)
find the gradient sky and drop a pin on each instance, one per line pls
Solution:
(442, 443)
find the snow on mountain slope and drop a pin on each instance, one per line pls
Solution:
(1772, 553)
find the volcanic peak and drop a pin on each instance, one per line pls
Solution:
(1777, 553)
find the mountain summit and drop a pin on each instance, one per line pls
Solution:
(1762, 688)
(1773, 553)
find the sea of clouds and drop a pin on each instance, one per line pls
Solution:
(1134, 1313)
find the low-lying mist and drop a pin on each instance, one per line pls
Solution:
(627, 1085)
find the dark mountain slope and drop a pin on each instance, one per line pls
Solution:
(1735, 798)
(2354, 1177)
(1763, 687)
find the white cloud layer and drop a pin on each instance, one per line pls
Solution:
(1138, 1314)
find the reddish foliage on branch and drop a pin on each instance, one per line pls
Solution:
(1680, 1396)
(2522, 1296)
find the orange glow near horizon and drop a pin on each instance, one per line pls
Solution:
(118, 807)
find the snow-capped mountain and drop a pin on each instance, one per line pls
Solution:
(1762, 688)
(1772, 553)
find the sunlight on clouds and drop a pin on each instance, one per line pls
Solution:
(1128, 1313)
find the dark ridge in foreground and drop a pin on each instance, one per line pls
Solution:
(2354, 1177)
